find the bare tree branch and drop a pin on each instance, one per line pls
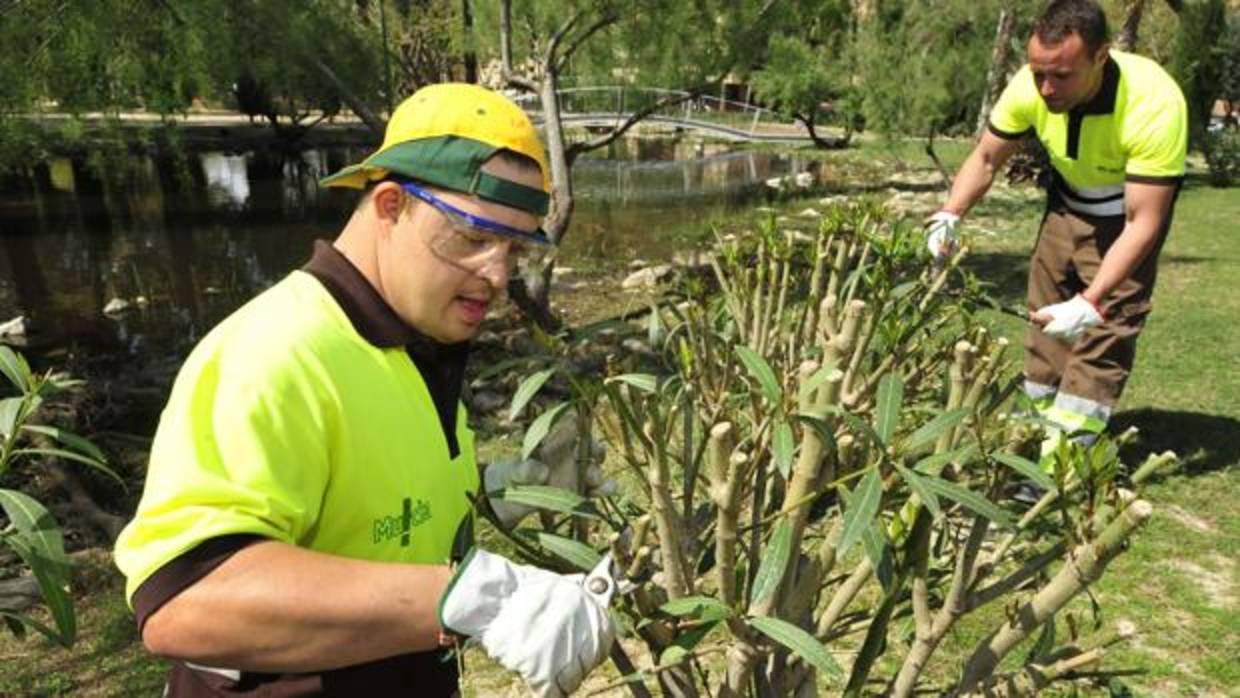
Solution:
(602, 141)
(505, 50)
(559, 36)
(607, 19)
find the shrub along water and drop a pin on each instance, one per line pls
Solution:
(821, 442)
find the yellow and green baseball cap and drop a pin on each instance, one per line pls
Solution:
(443, 134)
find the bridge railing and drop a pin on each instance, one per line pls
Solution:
(600, 104)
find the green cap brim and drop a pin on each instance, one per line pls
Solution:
(451, 162)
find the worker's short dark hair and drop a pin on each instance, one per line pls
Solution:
(1062, 18)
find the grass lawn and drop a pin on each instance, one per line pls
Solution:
(1177, 583)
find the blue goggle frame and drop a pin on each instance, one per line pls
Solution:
(538, 237)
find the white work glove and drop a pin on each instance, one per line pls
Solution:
(556, 466)
(941, 237)
(552, 629)
(1067, 321)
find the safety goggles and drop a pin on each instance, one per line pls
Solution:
(475, 243)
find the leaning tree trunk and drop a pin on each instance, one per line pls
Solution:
(1126, 40)
(996, 75)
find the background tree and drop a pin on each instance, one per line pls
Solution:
(808, 68)
(546, 45)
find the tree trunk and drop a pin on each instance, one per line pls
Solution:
(996, 75)
(471, 56)
(532, 291)
(1126, 40)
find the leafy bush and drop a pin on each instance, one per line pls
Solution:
(30, 530)
(818, 462)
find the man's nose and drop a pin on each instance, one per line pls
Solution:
(496, 272)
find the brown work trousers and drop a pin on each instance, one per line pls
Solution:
(1068, 254)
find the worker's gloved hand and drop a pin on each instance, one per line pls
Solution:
(552, 629)
(556, 466)
(941, 237)
(1067, 321)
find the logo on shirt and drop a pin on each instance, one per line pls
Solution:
(413, 514)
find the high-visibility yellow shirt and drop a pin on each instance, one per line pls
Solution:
(285, 423)
(1134, 129)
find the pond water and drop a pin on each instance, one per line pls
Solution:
(142, 262)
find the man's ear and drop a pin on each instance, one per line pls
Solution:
(1102, 54)
(389, 201)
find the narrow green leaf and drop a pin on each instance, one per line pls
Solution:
(576, 553)
(861, 510)
(654, 328)
(930, 431)
(10, 408)
(1025, 467)
(700, 607)
(934, 464)
(70, 455)
(820, 427)
(15, 368)
(878, 550)
(642, 381)
(783, 445)
(923, 492)
(527, 390)
(761, 371)
(887, 405)
(816, 379)
(550, 498)
(774, 563)
(18, 620)
(859, 426)
(68, 439)
(38, 541)
(902, 290)
(539, 428)
(968, 499)
(801, 643)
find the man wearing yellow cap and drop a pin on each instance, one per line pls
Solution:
(312, 476)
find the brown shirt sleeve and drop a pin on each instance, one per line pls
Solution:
(178, 574)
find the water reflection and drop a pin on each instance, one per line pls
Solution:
(169, 247)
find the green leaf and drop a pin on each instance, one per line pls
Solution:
(70, 455)
(923, 492)
(783, 445)
(15, 368)
(37, 539)
(801, 643)
(761, 371)
(550, 498)
(527, 390)
(69, 440)
(929, 432)
(774, 563)
(642, 381)
(887, 405)
(685, 642)
(18, 623)
(10, 409)
(820, 427)
(15, 626)
(539, 428)
(877, 549)
(654, 328)
(968, 499)
(816, 379)
(1025, 467)
(576, 553)
(861, 510)
(859, 426)
(700, 607)
(933, 464)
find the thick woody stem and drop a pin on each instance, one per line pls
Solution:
(1030, 680)
(1084, 567)
(837, 270)
(726, 469)
(842, 597)
(756, 308)
(666, 519)
(805, 477)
